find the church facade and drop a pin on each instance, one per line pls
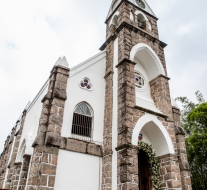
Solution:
(83, 128)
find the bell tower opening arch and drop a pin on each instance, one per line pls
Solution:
(151, 62)
(147, 67)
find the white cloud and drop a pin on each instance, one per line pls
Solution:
(185, 29)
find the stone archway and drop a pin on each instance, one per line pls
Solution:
(154, 133)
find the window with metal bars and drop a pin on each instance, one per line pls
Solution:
(82, 122)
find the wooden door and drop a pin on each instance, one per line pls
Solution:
(145, 182)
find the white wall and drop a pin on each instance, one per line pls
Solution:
(94, 69)
(32, 119)
(78, 171)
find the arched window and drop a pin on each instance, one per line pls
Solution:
(82, 122)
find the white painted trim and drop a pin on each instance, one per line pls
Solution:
(38, 95)
(78, 68)
(142, 46)
(146, 119)
(115, 116)
(12, 149)
(139, 12)
(116, 14)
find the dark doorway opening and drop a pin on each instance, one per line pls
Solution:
(145, 182)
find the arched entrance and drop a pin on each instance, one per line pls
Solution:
(151, 131)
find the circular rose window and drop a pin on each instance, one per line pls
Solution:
(139, 80)
(85, 84)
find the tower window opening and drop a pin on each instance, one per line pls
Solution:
(82, 122)
(115, 21)
(141, 21)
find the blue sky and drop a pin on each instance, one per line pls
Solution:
(34, 34)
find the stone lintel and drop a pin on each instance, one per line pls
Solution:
(39, 140)
(173, 156)
(17, 133)
(152, 112)
(135, 29)
(176, 110)
(53, 139)
(55, 70)
(179, 131)
(26, 156)
(124, 61)
(85, 147)
(108, 74)
(18, 163)
(159, 76)
(123, 146)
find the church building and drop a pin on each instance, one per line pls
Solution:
(108, 123)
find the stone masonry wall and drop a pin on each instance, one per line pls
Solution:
(6, 163)
(124, 16)
(108, 114)
(133, 35)
(24, 172)
(4, 160)
(48, 140)
(160, 93)
(16, 175)
(181, 151)
(170, 172)
(18, 134)
(129, 34)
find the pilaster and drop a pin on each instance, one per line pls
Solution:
(48, 140)
(170, 172)
(10, 182)
(108, 114)
(24, 172)
(181, 151)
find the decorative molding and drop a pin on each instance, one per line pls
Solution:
(124, 61)
(135, 29)
(151, 112)
(159, 76)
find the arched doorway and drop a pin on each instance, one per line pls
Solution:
(145, 182)
(153, 133)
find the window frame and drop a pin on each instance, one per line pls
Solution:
(82, 137)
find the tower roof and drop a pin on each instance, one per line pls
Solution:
(140, 3)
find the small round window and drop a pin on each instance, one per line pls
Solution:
(139, 80)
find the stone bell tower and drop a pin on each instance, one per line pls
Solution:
(139, 102)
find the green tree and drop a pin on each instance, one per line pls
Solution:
(194, 122)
